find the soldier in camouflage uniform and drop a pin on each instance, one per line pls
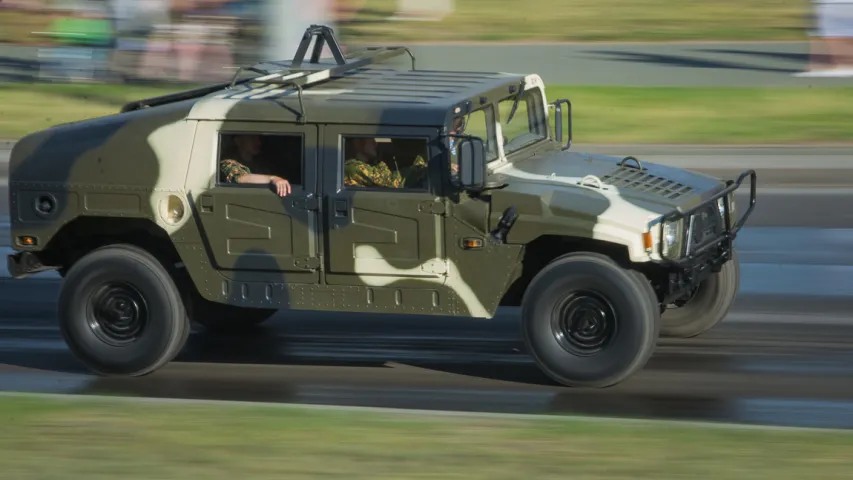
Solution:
(248, 147)
(365, 169)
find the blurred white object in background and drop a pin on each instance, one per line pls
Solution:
(286, 22)
(833, 30)
(422, 10)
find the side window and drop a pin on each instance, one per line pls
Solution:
(527, 124)
(477, 126)
(381, 162)
(244, 155)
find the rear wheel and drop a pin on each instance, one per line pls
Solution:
(705, 306)
(120, 312)
(589, 322)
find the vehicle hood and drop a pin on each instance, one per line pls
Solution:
(655, 188)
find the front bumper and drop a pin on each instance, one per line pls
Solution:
(24, 264)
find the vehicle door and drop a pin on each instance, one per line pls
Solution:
(248, 226)
(380, 235)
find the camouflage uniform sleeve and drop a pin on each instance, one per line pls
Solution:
(415, 176)
(356, 173)
(231, 170)
(360, 174)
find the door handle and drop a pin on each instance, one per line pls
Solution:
(206, 204)
(341, 208)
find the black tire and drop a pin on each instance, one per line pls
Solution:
(139, 279)
(635, 320)
(222, 318)
(708, 306)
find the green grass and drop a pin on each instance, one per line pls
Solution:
(26, 108)
(713, 115)
(585, 20)
(105, 439)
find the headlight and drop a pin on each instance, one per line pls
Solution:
(732, 212)
(673, 239)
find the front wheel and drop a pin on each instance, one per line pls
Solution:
(589, 322)
(121, 313)
(706, 306)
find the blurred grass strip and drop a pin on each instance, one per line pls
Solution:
(709, 115)
(103, 439)
(548, 20)
(589, 20)
(712, 115)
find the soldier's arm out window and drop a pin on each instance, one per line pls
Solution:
(285, 157)
(248, 149)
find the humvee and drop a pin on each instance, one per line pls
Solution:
(151, 233)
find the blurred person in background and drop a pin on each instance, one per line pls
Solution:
(141, 30)
(22, 4)
(204, 31)
(834, 28)
(81, 35)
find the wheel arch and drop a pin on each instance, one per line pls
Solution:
(87, 233)
(545, 248)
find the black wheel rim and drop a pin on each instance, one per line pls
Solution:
(117, 313)
(584, 323)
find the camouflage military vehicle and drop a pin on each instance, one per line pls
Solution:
(356, 185)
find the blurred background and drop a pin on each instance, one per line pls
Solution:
(170, 40)
(175, 40)
(63, 60)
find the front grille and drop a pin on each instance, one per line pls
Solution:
(707, 224)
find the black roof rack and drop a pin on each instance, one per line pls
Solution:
(297, 74)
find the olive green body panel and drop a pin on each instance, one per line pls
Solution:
(115, 166)
(246, 226)
(479, 276)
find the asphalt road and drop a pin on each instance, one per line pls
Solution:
(784, 356)
(748, 370)
(672, 64)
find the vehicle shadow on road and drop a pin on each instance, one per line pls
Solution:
(682, 61)
(462, 347)
(799, 58)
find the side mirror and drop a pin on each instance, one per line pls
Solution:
(472, 163)
(558, 121)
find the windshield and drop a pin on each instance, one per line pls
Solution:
(528, 123)
(528, 126)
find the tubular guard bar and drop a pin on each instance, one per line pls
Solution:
(729, 233)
